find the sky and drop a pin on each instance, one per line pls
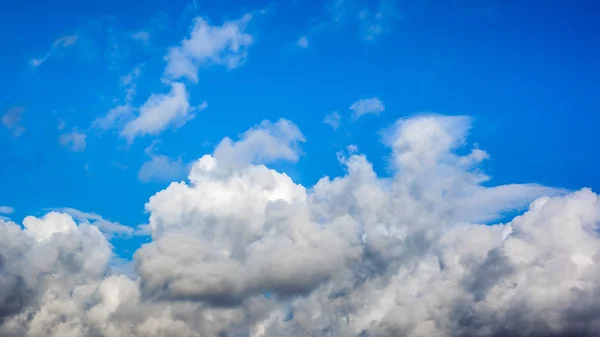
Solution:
(150, 123)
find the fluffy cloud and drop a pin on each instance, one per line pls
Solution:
(159, 112)
(242, 250)
(74, 140)
(367, 106)
(12, 120)
(226, 44)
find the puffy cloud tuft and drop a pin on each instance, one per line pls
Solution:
(206, 44)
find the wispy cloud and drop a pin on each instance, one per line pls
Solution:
(333, 119)
(302, 42)
(12, 120)
(109, 228)
(58, 45)
(367, 106)
(74, 140)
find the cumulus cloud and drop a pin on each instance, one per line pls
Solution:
(12, 120)
(58, 45)
(159, 112)
(264, 143)
(367, 106)
(74, 140)
(226, 44)
(243, 250)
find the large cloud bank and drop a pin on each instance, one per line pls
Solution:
(242, 250)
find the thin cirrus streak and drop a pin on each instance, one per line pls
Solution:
(241, 250)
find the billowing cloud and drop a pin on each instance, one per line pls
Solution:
(367, 106)
(74, 140)
(243, 250)
(206, 44)
(12, 120)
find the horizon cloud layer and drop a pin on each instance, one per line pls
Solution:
(242, 250)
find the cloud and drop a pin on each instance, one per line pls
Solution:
(302, 42)
(12, 120)
(226, 44)
(367, 106)
(243, 250)
(108, 228)
(74, 140)
(161, 168)
(374, 21)
(160, 112)
(333, 119)
(262, 144)
(6, 210)
(142, 36)
(58, 45)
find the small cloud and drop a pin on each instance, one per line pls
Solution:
(162, 169)
(206, 44)
(12, 120)
(61, 124)
(74, 140)
(367, 106)
(109, 228)
(302, 42)
(160, 112)
(120, 166)
(202, 106)
(59, 44)
(141, 36)
(333, 119)
(6, 210)
(373, 21)
(143, 230)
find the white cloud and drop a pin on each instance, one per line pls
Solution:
(58, 45)
(355, 255)
(74, 140)
(226, 44)
(160, 112)
(333, 119)
(108, 228)
(262, 144)
(367, 106)
(6, 210)
(12, 120)
(302, 42)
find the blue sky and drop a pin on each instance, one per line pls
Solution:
(527, 73)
